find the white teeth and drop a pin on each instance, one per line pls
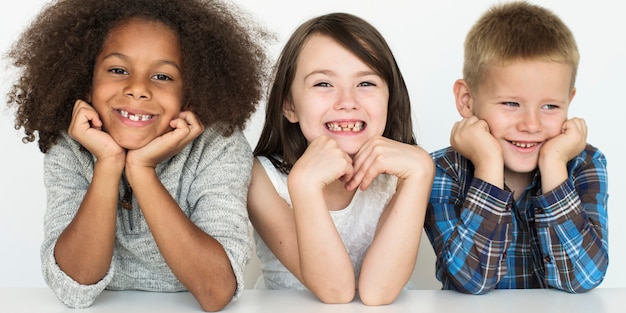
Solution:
(136, 117)
(523, 145)
(346, 126)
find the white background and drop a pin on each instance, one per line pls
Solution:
(427, 40)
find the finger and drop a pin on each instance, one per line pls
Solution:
(368, 174)
(576, 124)
(190, 118)
(179, 124)
(367, 164)
(348, 171)
(193, 123)
(84, 114)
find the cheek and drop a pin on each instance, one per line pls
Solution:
(498, 125)
(554, 127)
(310, 131)
(382, 118)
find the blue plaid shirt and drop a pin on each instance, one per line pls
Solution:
(484, 239)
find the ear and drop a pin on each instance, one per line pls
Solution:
(289, 112)
(463, 98)
(571, 96)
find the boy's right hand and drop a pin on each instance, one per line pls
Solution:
(86, 128)
(472, 139)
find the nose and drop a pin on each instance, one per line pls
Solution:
(137, 88)
(529, 121)
(347, 100)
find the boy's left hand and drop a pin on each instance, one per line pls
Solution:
(567, 145)
(185, 129)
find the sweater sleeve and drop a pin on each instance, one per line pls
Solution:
(66, 183)
(219, 196)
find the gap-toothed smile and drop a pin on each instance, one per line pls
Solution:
(345, 126)
(135, 117)
(523, 144)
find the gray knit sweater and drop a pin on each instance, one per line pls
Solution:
(209, 179)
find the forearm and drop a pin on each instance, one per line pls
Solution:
(553, 174)
(491, 171)
(573, 240)
(325, 266)
(472, 248)
(196, 259)
(84, 250)
(390, 260)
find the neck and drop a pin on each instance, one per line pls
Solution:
(517, 182)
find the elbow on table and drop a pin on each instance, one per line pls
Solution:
(471, 290)
(333, 297)
(475, 287)
(214, 304)
(215, 299)
(377, 298)
(578, 281)
(376, 294)
(582, 288)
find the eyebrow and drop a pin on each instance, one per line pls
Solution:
(125, 57)
(330, 73)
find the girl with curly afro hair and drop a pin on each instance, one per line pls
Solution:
(139, 107)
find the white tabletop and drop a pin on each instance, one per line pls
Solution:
(599, 300)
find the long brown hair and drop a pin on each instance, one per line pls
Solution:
(282, 141)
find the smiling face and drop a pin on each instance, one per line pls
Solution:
(335, 94)
(524, 103)
(137, 82)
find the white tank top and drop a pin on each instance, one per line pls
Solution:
(356, 225)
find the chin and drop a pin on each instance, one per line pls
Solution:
(521, 168)
(350, 150)
(132, 144)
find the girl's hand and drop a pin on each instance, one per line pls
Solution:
(185, 129)
(567, 145)
(381, 155)
(322, 163)
(86, 128)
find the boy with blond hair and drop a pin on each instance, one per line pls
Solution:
(519, 199)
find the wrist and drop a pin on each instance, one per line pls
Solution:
(113, 164)
(492, 173)
(135, 172)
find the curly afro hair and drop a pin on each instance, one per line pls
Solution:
(225, 61)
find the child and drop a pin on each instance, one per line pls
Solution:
(139, 108)
(519, 199)
(339, 188)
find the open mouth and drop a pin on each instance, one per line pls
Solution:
(136, 117)
(524, 145)
(345, 126)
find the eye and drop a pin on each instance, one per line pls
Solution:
(118, 71)
(366, 84)
(323, 84)
(511, 104)
(550, 106)
(161, 77)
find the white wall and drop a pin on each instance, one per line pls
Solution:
(426, 38)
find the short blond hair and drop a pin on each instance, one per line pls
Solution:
(515, 31)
